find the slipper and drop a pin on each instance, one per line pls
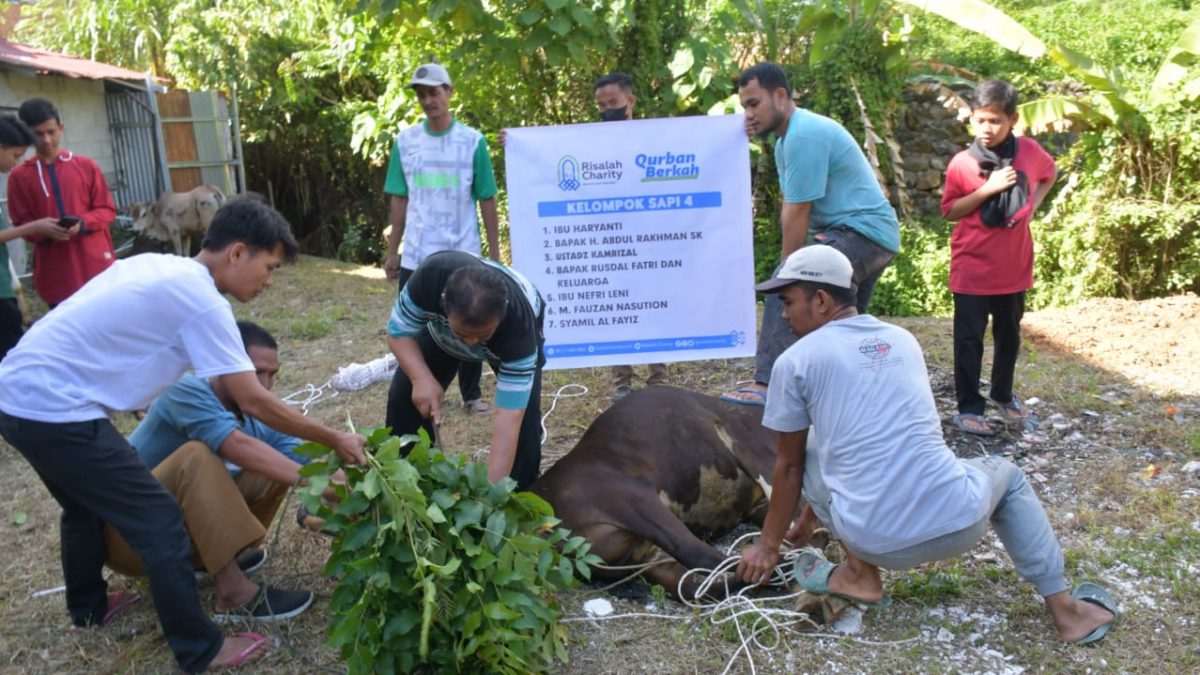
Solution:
(812, 573)
(259, 643)
(1013, 411)
(964, 422)
(759, 400)
(1089, 592)
(118, 604)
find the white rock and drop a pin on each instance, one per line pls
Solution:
(598, 607)
(944, 635)
(850, 622)
(1192, 468)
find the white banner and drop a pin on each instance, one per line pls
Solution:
(639, 236)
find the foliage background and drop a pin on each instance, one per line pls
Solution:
(321, 85)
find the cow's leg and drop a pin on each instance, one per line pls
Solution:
(185, 248)
(175, 241)
(641, 513)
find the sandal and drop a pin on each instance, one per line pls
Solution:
(1013, 411)
(756, 398)
(259, 647)
(972, 424)
(812, 573)
(118, 603)
(1089, 592)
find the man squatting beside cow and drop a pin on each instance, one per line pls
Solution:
(885, 484)
(122, 339)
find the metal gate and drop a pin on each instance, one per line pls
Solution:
(134, 124)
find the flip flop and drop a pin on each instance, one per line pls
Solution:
(812, 573)
(259, 643)
(963, 420)
(1093, 593)
(1013, 411)
(759, 401)
(118, 604)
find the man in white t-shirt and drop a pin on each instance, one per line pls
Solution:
(128, 334)
(860, 432)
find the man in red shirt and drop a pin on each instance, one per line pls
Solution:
(992, 190)
(58, 186)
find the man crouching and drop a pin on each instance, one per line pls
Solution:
(858, 429)
(229, 472)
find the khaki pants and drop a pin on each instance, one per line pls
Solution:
(223, 515)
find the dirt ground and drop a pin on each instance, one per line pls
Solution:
(1113, 383)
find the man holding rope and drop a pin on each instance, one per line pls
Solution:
(884, 482)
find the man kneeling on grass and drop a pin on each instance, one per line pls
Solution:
(114, 345)
(229, 472)
(875, 468)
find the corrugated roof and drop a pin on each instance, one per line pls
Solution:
(41, 61)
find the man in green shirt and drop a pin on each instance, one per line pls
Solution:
(438, 170)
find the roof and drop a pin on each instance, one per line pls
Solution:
(40, 61)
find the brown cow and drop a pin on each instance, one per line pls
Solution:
(663, 469)
(178, 216)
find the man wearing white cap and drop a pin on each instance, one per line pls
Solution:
(438, 170)
(859, 431)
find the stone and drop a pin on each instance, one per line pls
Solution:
(929, 180)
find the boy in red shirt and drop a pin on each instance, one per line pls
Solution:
(992, 190)
(58, 187)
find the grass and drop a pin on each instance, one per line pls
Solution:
(327, 314)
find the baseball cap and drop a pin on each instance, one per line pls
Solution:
(817, 263)
(430, 74)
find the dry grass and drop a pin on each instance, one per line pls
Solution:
(1139, 536)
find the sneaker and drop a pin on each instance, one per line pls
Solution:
(477, 407)
(269, 604)
(248, 561)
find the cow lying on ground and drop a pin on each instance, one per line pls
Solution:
(663, 469)
(178, 216)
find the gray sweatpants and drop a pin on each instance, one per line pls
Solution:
(1016, 513)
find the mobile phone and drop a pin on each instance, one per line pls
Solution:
(67, 222)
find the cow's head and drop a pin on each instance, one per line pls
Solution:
(143, 215)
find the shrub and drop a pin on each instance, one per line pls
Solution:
(437, 567)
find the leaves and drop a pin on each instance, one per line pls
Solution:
(982, 18)
(442, 570)
(1180, 58)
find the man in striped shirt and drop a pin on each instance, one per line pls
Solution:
(460, 307)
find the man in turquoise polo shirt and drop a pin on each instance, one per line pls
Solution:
(438, 170)
(830, 196)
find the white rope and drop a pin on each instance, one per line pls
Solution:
(353, 377)
(557, 395)
(759, 625)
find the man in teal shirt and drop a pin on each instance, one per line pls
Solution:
(438, 170)
(830, 196)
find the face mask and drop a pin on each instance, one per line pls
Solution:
(614, 114)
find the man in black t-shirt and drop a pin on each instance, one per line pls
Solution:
(459, 307)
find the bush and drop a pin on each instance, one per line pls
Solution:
(916, 283)
(437, 567)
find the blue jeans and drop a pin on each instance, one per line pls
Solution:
(869, 260)
(1015, 512)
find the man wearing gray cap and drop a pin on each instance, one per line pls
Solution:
(438, 170)
(859, 431)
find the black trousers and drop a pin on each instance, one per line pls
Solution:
(970, 321)
(469, 372)
(403, 418)
(10, 325)
(98, 478)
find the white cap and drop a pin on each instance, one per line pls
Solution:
(430, 74)
(817, 263)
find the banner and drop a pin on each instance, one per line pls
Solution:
(639, 236)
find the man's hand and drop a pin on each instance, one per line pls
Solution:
(758, 562)
(48, 228)
(391, 267)
(751, 128)
(1000, 180)
(502, 137)
(350, 448)
(427, 399)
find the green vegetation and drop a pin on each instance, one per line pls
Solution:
(322, 86)
(439, 568)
